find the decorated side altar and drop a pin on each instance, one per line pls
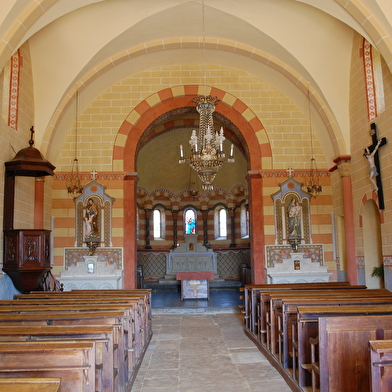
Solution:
(297, 268)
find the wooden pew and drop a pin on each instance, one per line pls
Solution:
(381, 365)
(106, 353)
(141, 319)
(307, 327)
(114, 318)
(287, 319)
(131, 347)
(72, 362)
(252, 295)
(344, 350)
(144, 315)
(141, 322)
(275, 308)
(29, 384)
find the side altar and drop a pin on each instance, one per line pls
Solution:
(190, 256)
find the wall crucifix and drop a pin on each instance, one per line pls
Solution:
(371, 154)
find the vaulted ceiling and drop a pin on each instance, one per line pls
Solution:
(292, 44)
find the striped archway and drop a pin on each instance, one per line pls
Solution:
(125, 156)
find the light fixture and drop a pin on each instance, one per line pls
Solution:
(313, 186)
(207, 154)
(74, 187)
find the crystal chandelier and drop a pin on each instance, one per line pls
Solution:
(207, 155)
(313, 186)
(74, 187)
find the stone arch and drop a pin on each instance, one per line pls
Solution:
(132, 129)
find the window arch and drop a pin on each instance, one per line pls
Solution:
(159, 222)
(190, 221)
(220, 218)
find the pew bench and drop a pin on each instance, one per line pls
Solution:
(30, 384)
(106, 353)
(113, 318)
(72, 362)
(252, 296)
(381, 365)
(344, 350)
(288, 316)
(275, 330)
(264, 312)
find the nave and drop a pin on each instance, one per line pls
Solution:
(203, 348)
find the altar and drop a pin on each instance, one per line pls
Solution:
(297, 269)
(195, 285)
(190, 256)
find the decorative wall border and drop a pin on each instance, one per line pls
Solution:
(14, 91)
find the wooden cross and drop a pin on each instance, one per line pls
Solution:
(371, 154)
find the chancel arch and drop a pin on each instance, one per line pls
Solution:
(132, 136)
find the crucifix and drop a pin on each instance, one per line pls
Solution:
(371, 154)
(290, 171)
(195, 283)
(94, 174)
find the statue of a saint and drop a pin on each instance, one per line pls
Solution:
(294, 215)
(91, 219)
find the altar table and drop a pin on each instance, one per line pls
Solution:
(195, 284)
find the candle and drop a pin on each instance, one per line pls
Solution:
(181, 151)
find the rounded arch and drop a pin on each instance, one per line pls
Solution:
(372, 244)
(133, 128)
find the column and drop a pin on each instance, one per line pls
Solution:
(257, 242)
(205, 226)
(148, 213)
(348, 210)
(130, 246)
(231, 212)
(175, 229)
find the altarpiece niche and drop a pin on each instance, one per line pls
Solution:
(294, 257)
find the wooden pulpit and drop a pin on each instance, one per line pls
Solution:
(26, 251)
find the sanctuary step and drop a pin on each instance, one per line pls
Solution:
(175, 286)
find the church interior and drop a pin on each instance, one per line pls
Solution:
(191, 147)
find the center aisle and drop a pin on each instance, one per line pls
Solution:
(204, 352)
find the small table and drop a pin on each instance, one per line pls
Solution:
(194, 284)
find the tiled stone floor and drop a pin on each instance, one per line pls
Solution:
(205, 350)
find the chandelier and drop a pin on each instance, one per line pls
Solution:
(313, 186)
(207, 154)
(74, 186)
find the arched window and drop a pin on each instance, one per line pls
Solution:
(190, 221)
(244, 221)
(159, 223)
(220, 223)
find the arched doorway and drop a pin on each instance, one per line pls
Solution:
(372, 244)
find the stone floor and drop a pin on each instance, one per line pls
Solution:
(198, 348)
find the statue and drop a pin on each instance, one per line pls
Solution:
(91, 219)
(294, 215)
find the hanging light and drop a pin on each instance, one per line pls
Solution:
(313, 185)
(207, 154)
(74, 187)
